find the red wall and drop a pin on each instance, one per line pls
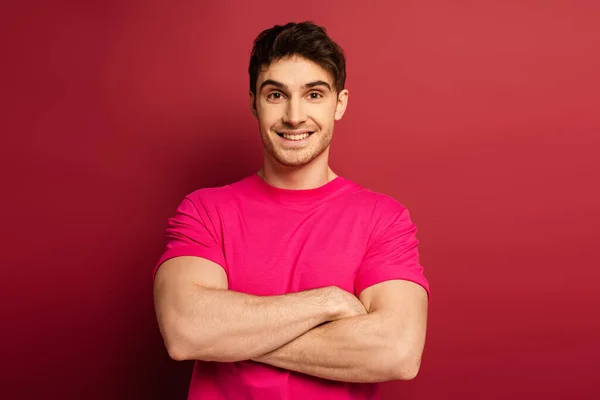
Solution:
(481, 117)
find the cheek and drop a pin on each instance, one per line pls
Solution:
(324, 116)
(268, 116)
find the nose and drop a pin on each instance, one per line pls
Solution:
(295, 113)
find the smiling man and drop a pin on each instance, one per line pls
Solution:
(294, 282)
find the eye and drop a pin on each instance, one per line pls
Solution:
(315, 95)
(274, 96)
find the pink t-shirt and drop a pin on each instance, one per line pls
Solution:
(273, 241)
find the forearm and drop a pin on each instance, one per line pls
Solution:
(226, 326)
(356, 349)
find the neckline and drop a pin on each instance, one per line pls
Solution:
(297, 195)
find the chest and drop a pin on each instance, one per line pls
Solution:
(269, 253)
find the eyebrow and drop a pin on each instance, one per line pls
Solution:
(309, 85)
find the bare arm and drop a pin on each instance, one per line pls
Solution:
(201, 320)
(384, 344)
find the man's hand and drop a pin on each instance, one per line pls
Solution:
(346, 303)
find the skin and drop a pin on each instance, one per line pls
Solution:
(287, 101)
(325, 332)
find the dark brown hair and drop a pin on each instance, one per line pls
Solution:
(304, 39)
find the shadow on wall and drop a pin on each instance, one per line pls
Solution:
(205, 160)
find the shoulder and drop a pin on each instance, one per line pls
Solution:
(216, 195)
(383, 214)
(208, 195)
(211, 201)
(381, 204)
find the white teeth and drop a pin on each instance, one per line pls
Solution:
(296, 137)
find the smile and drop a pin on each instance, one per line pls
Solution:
(295, 136)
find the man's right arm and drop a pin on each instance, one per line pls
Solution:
(200, 319)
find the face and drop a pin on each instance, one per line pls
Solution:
(296, 106)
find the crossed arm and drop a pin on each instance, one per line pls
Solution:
(324, 332)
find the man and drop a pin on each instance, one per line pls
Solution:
(293, 283)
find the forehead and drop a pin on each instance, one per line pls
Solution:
(294, 72)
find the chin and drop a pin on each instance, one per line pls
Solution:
(293, 162)
(297, 160)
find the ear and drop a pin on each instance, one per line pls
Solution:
(253, 104)
(341, 105)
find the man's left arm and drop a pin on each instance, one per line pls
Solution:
(384, 344)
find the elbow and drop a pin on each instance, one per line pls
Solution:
(407, 371)
(405, 364)
(179, 343)
(176, 353)
(177, 347)
(185, 344)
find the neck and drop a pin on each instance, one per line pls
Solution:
(309, 176)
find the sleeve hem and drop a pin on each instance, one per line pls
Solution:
(419, 279)
(192, 251)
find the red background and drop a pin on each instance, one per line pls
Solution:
(481, 117)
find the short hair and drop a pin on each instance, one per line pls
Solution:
(304, 39)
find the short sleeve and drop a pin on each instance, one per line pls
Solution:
(392, 252)
(192, 232)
